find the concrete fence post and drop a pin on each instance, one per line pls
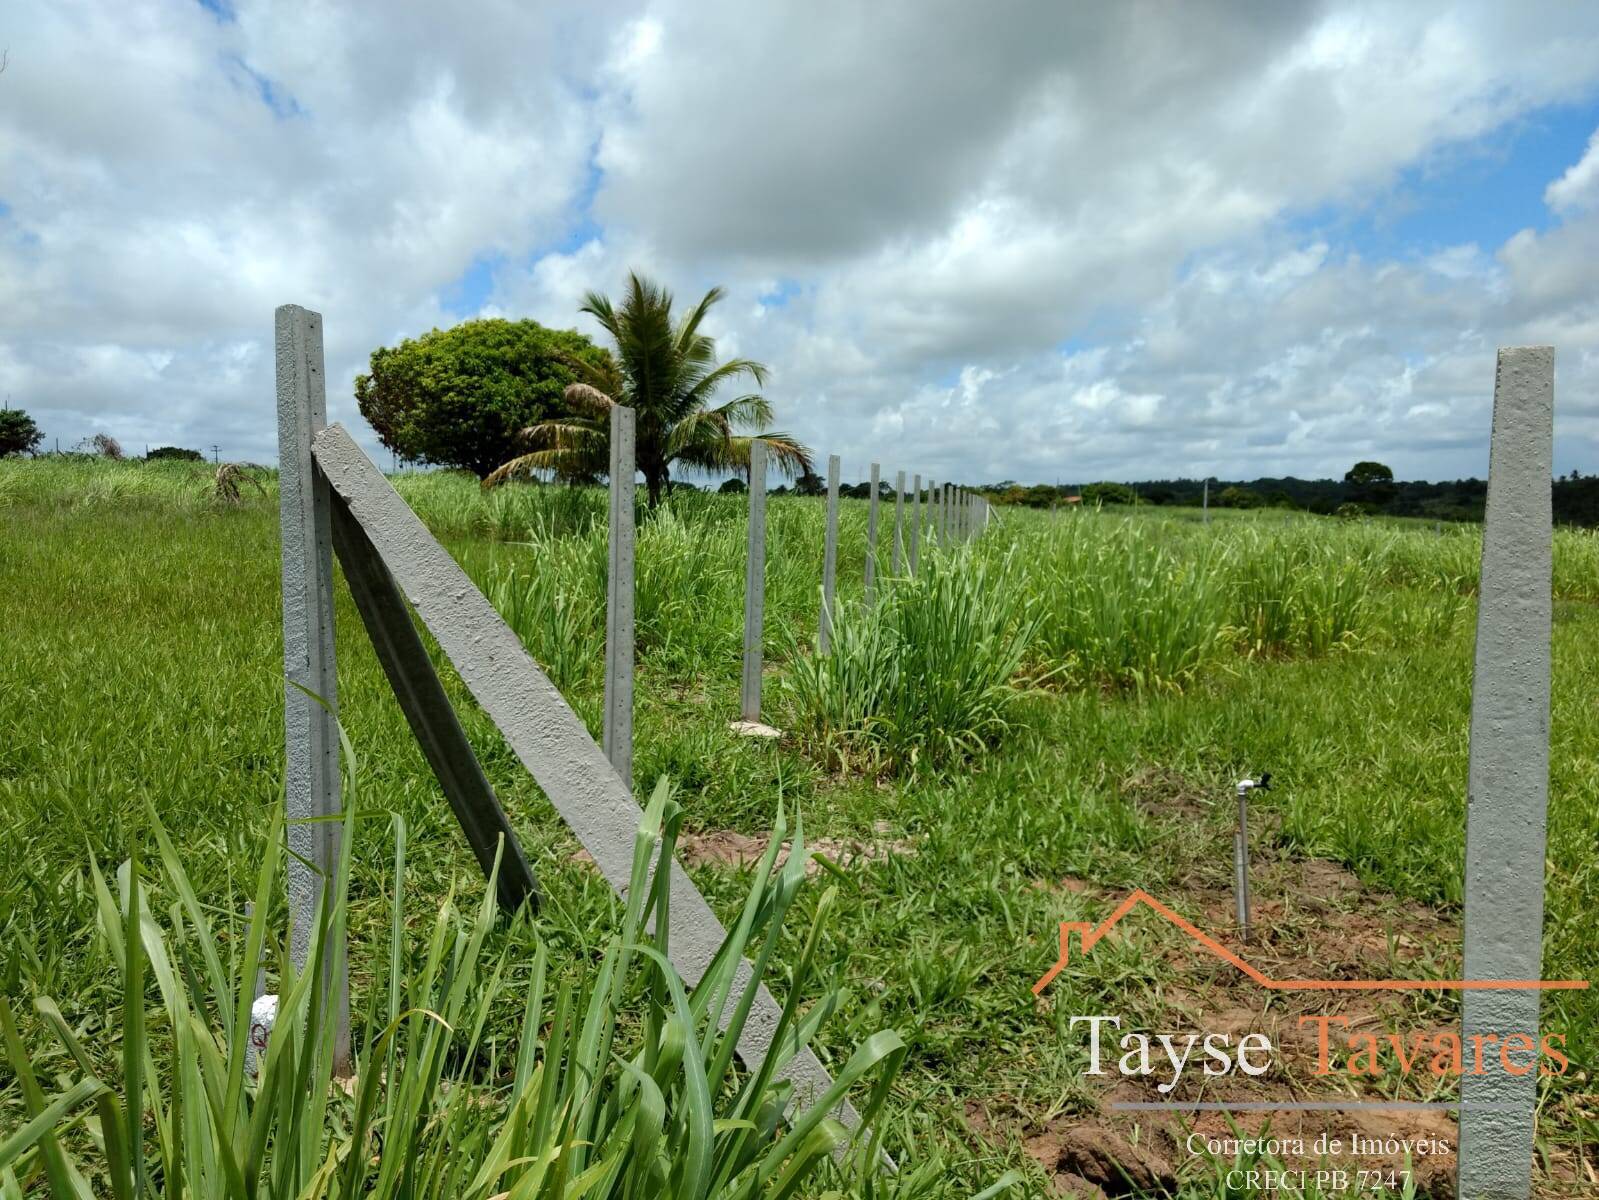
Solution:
(1205, 504)
(1508, 774)
(829, 557)
(871, 535)
(618, 724)
(916, 523)
(311, 734)
(754, 586)
(899, 521)
(550, 740)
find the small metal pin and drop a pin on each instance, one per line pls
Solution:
(1241, 850)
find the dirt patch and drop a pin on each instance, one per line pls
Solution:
(729, 849)
(1164, 793)
(1311, 920)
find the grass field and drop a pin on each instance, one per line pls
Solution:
(1045, 719)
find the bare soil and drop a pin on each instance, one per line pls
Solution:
(1312, 919)
(729, 849)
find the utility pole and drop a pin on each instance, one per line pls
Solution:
(215, 460)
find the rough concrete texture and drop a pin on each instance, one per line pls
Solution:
(824, 628)
(311, 738)
(619, 598)
(754, 589)
(899, 522)
(542, 730)
(916, 523)
(871, 535)
(1508, 778)
(429, 713)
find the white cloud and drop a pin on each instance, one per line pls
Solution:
(1578, 189)
(1031, 240)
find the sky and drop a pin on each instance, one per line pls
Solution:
(1030, 241)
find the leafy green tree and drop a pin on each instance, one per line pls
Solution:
(1367, 473)
(460, 397)
(809, 483)
(174, 453)
(1109, 493)
(734, 486)
(18, 433)
(1239, 497)
(1371, 483)
(666, 371)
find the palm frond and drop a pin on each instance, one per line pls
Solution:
(587, 399)
(745, 412)
(688, 328)
(792, 457)
(667, 372)
(701, 433)
(702, 388)
(789, 457)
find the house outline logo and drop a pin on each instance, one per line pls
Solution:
(1091, 933)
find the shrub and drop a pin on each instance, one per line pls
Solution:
(922, 677)
(18, 433)
(461, 397)
(175, 454)
(1239, 497)
(1109, 493)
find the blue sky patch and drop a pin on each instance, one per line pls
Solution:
(1482, 191)
(467, 295)
(283, 105)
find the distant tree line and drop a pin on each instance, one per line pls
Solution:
(1366, 488)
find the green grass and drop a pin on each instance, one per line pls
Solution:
(142, 671)
(623, 1086)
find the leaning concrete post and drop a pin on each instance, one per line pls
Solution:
(899, 521)
(1508, 778)
(916, 522)
(311, 734)
(871, 536)
(829, 556)
(618, 736)
(754, 586)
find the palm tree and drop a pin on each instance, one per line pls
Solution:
(667, 373)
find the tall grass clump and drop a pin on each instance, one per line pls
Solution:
(550, 589)
(1297, 593)
(689, 588)
(621, 1083)
(1124, 606)
(926, 676)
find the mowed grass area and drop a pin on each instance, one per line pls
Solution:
(1154, 655)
